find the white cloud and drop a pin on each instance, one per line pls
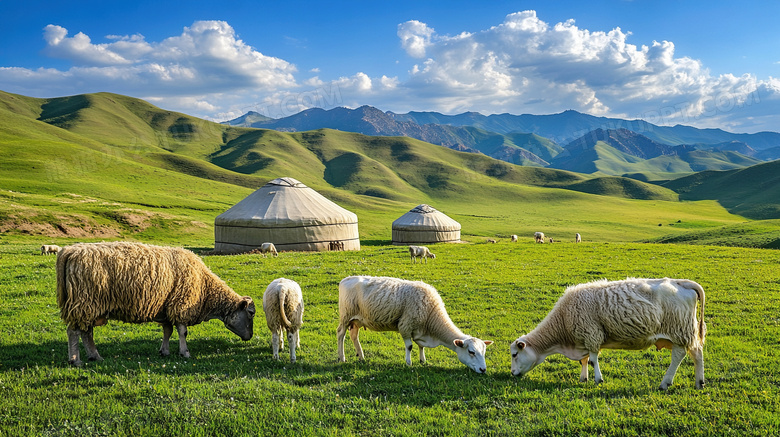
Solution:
(206, 59)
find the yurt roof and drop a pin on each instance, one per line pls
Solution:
(285, 202)
(425, 217)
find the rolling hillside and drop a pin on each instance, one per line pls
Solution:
(110, 166)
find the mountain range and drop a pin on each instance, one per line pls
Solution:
(569, 140)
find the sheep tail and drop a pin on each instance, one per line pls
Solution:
(62, 289)
(282, 298)
(700, 296)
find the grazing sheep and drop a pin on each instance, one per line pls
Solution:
(421, 252)
(539, 237)
(491, 240)
(551, 240)
(281, 299)
(632, 314)
(268, 248)
(514, 238)
(47, 249)
(139, 283)
(412, 308)
(577, 238)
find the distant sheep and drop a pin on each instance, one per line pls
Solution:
(632, 314)
(138, 283)
(267, 248)
(551, 240)
(413, 309)
(577, 238)
(539, 237)
(48, 249)
(491, 240)
(514, 238)
(283, 307)
(421, 252)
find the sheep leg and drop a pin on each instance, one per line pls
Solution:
(698, 361)
(183, 351)
(584, 371)
(354, 334)
(165, 349)
(341, 332)
(293, 338)
(73, 347)
(408, 349)
(281, 338)
(275, 334)
(593, 359)
(89, 345)
(678, 353)
(422, 353)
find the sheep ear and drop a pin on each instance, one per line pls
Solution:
(488, 342)
(245, 302)
(458, 343)
(520, 344)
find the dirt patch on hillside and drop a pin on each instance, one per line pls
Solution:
(64, 227)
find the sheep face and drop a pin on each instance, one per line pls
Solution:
(241, 321)
(523, 357)
(471, 352)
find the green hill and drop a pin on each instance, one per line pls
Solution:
(110, 166)
(752, 192)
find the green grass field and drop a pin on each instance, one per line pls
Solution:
(493, 291)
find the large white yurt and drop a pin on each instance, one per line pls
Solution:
(288, 214)
(425, 224)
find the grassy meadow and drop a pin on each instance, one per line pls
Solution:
(492, 291)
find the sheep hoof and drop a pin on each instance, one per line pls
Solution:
(700, 384)
(164, 353)
(664, 386)
(186, 354)
(76, 363)
(96, 358)
(583, 379)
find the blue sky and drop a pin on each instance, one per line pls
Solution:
(700, 63)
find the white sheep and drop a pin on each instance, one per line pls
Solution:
(283, 307)
(513, 238)
(267, 248)
(577, 238)
(48, 249)
(539, 237)
(421, 252)
(412, 308)
(138, 283)
(631, 314)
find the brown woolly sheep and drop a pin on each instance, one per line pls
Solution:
(138, 283)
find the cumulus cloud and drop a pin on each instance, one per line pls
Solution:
(525, 65)
(206, 59)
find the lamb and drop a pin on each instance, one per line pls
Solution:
(539, 237)
(138, 283)
(268, 248)
(513, 238)
(47, 249)
(412, 308)
(421, 252)
(491, 240)
(631, 314)
(281, 299)
(577, 238)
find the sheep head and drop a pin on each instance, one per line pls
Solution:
(471, 352)
(241, 320)
(524, 358)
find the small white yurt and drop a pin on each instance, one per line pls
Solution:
(425, 224)
(288, 214)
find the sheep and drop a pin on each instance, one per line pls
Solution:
(138, 283)
(513, 238)
(47, 249)
(539, 237)
(283, 297)
(577, 238)
(551, 240)
(491, 240)
(421, 252)
(631, 314)
(412, 308)
(268, 248)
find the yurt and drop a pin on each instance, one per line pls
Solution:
(288, 214)
(425, 224)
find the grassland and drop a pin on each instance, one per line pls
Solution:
(494, 291)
